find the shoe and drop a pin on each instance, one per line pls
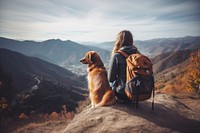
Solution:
(121, 100)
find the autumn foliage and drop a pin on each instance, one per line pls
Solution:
(181, 79)
(194, 72)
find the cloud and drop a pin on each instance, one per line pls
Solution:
(98, 20)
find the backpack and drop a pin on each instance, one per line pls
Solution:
(139, 77)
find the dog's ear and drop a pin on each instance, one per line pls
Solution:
(90, 58)
(93, 56)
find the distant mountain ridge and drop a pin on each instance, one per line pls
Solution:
(160, 45)
(170, 59)
(164, 52)
(55, 51)
(164, 45)
(68, 53)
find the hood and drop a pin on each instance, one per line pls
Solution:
(129, 49)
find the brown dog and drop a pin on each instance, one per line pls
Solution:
(100, 91)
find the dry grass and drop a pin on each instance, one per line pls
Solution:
(41, 123)
(43, 127)
(36, 124)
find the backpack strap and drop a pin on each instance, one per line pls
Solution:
(117, 68)
(123, 53)
(153, 94)
(153, 99)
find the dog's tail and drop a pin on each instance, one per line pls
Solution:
(108, 99)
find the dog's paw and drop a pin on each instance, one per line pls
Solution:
(89, 106)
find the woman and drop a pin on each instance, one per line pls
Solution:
(117, 69)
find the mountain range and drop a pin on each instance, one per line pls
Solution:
(68, 53)
(157, 46)
(170, 59)
(31, 84)
(64, 53)
(30, 66)
(40, 76)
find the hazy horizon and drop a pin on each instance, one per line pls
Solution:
(98, 21)
(92, 42)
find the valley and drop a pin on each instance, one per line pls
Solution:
(37, 78)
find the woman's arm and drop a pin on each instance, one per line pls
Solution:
(112, 73)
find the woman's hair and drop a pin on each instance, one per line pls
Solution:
(124, 38)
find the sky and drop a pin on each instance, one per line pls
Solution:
(98, 20)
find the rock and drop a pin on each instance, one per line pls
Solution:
(169, 115)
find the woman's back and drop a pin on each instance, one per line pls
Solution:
(117, 69)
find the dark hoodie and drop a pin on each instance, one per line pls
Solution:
(117, 68)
